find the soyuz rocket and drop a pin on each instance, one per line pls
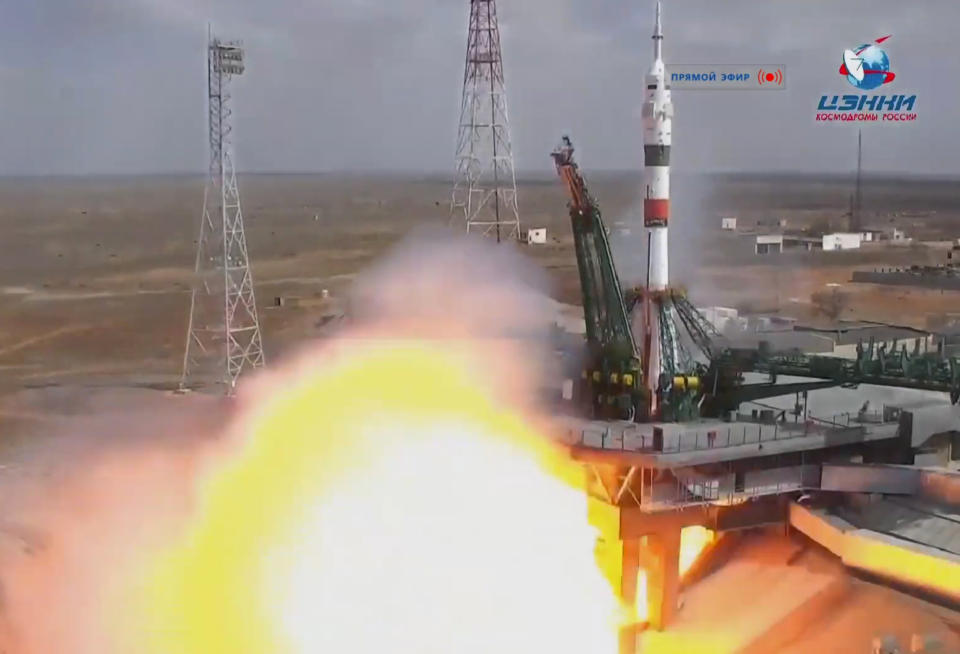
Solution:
(657, 120)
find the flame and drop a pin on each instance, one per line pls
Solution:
(642, 610)
(693, 540)
(383, 500)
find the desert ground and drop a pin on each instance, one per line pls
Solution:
(94, 273)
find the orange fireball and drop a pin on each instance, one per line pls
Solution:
(382, 500)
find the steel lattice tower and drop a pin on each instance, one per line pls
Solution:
(485, 186)
(856, 220)
(223, 336)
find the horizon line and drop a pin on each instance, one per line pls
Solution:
(520, 174)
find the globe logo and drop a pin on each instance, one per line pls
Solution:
(867, 66)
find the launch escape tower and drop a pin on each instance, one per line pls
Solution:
(223, 334)
(485, 185)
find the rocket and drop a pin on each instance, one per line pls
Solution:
(657, 122)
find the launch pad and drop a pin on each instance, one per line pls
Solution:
(663, 444)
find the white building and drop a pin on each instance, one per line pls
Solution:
(728, 223)
(769, 243)
(842, 241)
(722, 318)
(537, 236)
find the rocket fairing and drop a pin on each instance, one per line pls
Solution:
(657, 122)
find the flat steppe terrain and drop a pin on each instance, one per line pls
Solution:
(94, 273)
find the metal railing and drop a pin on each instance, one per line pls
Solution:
(695, 492)
(725, 488)
(629, 439)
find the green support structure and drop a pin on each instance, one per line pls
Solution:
(704, 378)
(878, 366)
(610, 383)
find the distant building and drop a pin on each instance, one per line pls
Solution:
(728, 223)
(537, 236)
(728, 321)
(767, 324)
(769, 244)
(798, 242)
(886, 234)
(772, 222)
(722, 318)
(842, 241)
(891, 234)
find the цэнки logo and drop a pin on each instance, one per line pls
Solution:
(867, 66)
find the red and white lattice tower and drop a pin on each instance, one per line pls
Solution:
(485, 185)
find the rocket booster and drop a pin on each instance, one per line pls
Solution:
(657, 121)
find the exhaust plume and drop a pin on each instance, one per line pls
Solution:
(389, 490)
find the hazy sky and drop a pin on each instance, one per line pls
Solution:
(118, 86)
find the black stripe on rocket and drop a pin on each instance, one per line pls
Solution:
(656, 155)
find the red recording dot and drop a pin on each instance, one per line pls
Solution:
(769, 77)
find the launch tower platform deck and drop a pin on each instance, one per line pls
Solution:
(705, 442)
